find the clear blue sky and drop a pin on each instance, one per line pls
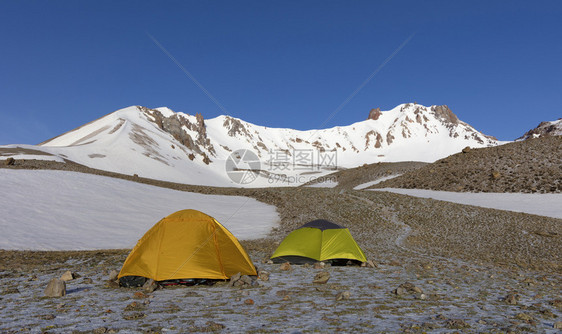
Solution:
(497, 64)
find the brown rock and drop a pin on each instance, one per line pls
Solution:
(374, 114)
(557, 325)
(512, 299)
(319, 265)
(10, 161)
(67, 276)
(343, 295)
(285, 266)
(139, 295)
(321, 278)
(249, 301)
(368, 264)
(55, 288)
(466, 149)
(524, 317)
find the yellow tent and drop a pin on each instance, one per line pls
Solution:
(184, 245)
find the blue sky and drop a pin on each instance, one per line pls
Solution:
(497, 64)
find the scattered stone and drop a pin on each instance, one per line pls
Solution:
(67, 276)
(285, 266)
(55, 288)
(421, 296)
(524, 317)
(150, 285)
(496, 175)
(394, 263)
(139, 295)
(113, 275)
(321, 278)
(343, 295)
(368, 264)
(88, 280)
(319, 265)
(457, 324)
(234, 278)
(466, 149)
(100, 330)
(407, 288)
(512, 299)
(557, 325)
(242, 281)
(249, 301)
(263, 275)
(134, 306)
(10, 161)
(48, 316)
(111, 284)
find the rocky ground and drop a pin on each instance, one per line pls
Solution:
(470, 269)
(529, 166)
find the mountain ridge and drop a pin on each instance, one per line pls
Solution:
(162, 144)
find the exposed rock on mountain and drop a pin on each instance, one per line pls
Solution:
(553, 128)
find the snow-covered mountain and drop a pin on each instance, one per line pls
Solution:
(553, 128)
(162, 144)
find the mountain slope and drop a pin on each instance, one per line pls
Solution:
(161, 144)
(533, 165)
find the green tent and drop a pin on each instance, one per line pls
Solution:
(319, 240)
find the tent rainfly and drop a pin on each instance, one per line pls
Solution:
(319, 240)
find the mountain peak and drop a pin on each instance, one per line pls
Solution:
(551, 128)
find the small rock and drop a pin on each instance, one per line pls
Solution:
(457, 324)
(150, 285)
(319, 265)
(421, 296)
(67, 276)
(249, 301)
(100, 330)
(557, 325)
(512, 299)
(524, 317)
(139, 295)
(321, 278)
(10, 161)
(134, 306)
(113, 275)
(368, 264)
(406, 288)
(343, 295)
(88, 280)
(111, 284)
(496, 175)
(285, 266)
(287, 297)
(10, 290)
(466, 149)
(263, 275)
(234, 278)
(55, 288)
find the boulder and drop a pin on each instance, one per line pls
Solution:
(55, 288)
(512, 299)
(319, 265)
(263, 275)
(10, 161)
(466, 149)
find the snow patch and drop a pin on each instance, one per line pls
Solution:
(59, 210)
(537, 204)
